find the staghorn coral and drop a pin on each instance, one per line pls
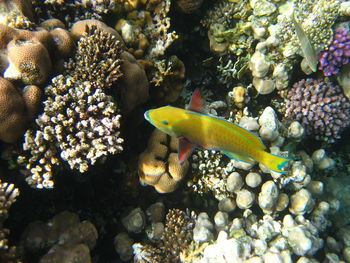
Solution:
(80, 123)
(336, 55)
(159, 166)
(175, 240)
(321, 108)
(64, 238)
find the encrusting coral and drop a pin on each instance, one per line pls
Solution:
(159, 165)
(80, 122)
(320, 107)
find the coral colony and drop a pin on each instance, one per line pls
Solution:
(336, 55)
(85, 178)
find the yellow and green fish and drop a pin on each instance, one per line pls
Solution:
(194, 128)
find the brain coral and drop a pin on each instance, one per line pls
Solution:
(159, 165)
(320, 107)
(80, 122)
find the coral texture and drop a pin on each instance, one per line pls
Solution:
(159, 165)
(71, 11)
(8, 195)
(336, 55)
(320, 107)
(176, 238)
(80, 123)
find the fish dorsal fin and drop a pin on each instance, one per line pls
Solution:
(197, 102)
(185, 149)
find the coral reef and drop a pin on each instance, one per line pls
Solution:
(29, 58)
(320, 107)
(62, 239)
(72, 10)
(80, 123)
(336, 55)
(90, 68)
(158, 165)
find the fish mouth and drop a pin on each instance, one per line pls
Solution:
(146, 115)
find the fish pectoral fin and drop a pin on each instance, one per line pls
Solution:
(185, 149)
(197, 102)
(238, 157)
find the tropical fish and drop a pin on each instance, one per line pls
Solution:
(308, 50)
(193, 128)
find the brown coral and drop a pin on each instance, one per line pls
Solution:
(134, 87)
(80, 27)
(28, 61)
(159, 165)
(12, 112)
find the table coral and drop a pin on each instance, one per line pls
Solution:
(80, 123)
(320, 107)
(159, 165)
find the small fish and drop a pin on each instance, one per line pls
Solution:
(193, 128)
(308, 50)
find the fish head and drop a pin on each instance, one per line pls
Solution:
(165, 119)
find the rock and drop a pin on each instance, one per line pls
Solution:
(268, 196)
(135, 221)
(227, 205)
(301, 202)
(253, 179)
(245, 199)
(234, 182)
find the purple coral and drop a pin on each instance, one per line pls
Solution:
(336, 55)
(320, 107)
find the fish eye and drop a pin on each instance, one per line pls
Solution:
(165, 122)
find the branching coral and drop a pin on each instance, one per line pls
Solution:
(8, 195)
(320, 107)
(336, 55)
(175, 241)
(80, 123)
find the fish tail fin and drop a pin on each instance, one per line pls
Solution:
(274, 162)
